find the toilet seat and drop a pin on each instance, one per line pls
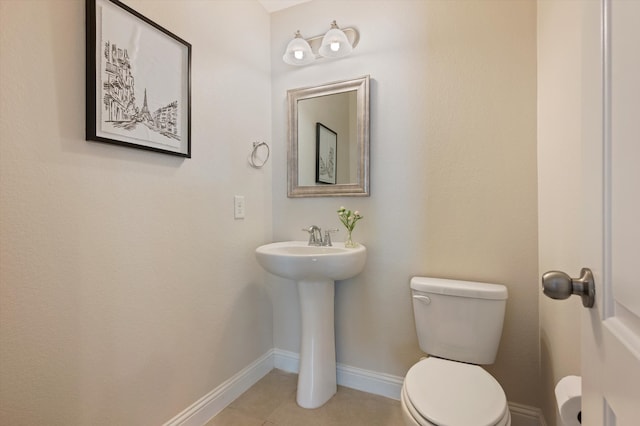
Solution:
(445, 393)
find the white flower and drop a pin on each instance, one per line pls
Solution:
(348, 218)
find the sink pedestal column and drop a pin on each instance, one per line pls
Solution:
(317, 376)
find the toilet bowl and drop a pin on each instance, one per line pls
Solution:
(438, 392)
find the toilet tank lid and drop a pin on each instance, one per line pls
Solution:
(471, 289)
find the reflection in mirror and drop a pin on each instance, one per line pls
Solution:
(329, 139)
(327, 155)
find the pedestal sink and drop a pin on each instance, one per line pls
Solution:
(314, 269)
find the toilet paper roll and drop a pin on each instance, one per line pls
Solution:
(569, 399)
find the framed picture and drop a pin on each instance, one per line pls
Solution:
(326, 154)
(138, 81)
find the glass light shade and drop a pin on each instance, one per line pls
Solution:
(298, 52)
(335, 43)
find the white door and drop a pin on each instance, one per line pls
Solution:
(611, 211)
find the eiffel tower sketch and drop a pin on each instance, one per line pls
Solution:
(119, 98)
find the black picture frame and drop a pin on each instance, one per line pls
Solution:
(326, 155)
(138, 81)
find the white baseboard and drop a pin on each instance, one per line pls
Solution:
(351, 377)
(524, 415)
(286, 361)
(201, 411)
(204, 409)
(370, 381)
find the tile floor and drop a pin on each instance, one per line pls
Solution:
(272, 402)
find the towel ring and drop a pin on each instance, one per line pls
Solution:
(254, 160)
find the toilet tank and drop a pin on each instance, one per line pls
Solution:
(459, 320)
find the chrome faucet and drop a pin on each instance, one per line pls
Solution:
(315, 235)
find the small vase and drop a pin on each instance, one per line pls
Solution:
(349, 243)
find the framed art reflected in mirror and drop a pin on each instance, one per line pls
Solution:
(326, 154)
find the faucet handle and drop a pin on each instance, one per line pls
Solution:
(327, 236)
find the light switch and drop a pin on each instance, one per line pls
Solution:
(238, 207)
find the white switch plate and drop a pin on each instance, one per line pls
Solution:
(238, 207)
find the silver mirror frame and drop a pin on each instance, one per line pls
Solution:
(357, 189)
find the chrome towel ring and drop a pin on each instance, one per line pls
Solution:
(254, 159)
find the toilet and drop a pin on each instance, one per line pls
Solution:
(459, 325)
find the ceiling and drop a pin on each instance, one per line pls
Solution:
(275, 5)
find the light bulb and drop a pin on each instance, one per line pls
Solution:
(298, 54)
(335, 46)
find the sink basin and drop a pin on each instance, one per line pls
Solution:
(314, 269)
(296, 260)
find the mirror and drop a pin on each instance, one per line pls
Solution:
(329, 139)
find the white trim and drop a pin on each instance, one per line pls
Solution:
(352, 377)
(524, 415)
(387, 385)
(286, 360)
(204, 409)
(608, 308)
(370, 381)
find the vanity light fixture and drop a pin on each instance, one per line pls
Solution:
(335, 43)
(298, 51)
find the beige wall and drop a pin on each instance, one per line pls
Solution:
(453, 172)
(559, 189)
(128, 291)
